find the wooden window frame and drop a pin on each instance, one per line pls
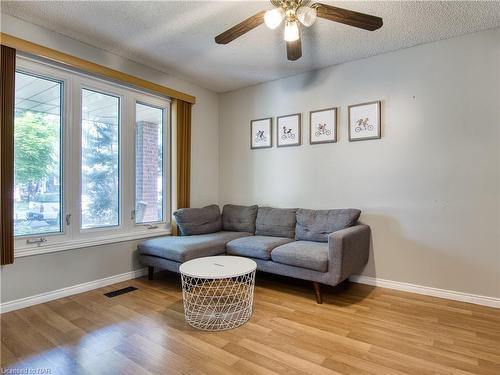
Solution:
(92, 68)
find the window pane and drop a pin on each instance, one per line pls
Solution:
(148, 164)
(100, 159)
(37, 155)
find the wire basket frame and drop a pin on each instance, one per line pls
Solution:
(218, 304)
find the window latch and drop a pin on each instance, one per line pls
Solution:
(38, 241)
(152, 226)
(132, 215)
(68, 219)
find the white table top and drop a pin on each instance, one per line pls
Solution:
(218, 267)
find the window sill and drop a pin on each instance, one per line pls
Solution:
(79, 244)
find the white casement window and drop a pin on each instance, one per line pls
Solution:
(92, 160)
(150, 203)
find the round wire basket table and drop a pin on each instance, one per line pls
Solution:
(218, 291)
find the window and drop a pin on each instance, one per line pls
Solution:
(37, 155)
(148, 164)
(77, 140)
(100, 159)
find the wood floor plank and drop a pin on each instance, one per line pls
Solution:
(357, 330)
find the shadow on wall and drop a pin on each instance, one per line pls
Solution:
(310, 50)
(303, 81)
(369, 268)
(386, 232)
(432, 265)
(310, 57)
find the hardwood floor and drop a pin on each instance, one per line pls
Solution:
(357, 330)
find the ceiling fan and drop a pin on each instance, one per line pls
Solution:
(293, 12)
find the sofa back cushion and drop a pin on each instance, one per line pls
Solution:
(198, 220)
(239, 218)
(316, 225)
(277, 222)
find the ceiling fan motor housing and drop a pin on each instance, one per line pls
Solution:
(290, 7)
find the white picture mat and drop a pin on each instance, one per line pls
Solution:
(290, 122)
(261, 125)
(370, 129)
(328, 117)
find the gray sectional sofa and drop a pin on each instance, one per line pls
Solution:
(322, 246)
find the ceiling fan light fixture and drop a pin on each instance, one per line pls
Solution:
(306, 15)
(273, 17)
(291, 31)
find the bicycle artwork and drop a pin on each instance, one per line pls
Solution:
(260, 133)
(323, 126)
(322, 130)
(363, 125)
(260, 137)
(289, 130)
(287, 134)
(364, 121)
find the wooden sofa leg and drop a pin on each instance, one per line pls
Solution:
(151, 271)
(317, 290)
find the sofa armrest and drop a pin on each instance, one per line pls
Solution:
(348, 251)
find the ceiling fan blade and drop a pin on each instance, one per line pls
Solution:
(240, 29)
(348, 17)
(294, 50)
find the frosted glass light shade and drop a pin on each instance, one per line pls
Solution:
(273, 17)
(291, 31)
(306, 15)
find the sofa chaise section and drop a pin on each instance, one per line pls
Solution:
(184, 248)
(202, 235)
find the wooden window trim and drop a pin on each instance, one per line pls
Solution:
(90, 67)
(8, 71)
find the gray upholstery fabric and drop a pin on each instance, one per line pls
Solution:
(255, 246)
(348, 251)
(292, 271)
(276, 222)
(239, 218)
(181, 249)
(305, 254)
(316, 225)
(198, 220)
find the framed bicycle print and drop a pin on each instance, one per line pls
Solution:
(364, 121)
(261, 135)
(289, 130)
(323, 126)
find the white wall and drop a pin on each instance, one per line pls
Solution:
(429, 188)
(42, 273)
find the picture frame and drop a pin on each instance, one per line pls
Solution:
(364, 121)
(323, 126)
(261, 133)
(288, 130)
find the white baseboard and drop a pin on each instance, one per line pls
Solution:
(406, 287)
(428, 291)
(68, 291)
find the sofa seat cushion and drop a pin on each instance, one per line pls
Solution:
(184, 248)
(276, 222)
(304, 254)
(239, 218)
(316, 225)
(198, 220)
(255, 246)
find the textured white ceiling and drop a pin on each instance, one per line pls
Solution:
(177, 36)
